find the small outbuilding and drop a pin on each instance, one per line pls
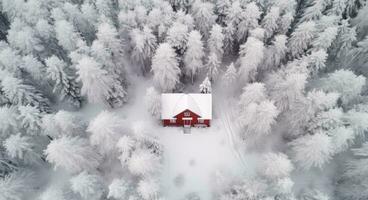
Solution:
(188, 110)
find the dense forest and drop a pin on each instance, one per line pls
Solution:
(289, 77)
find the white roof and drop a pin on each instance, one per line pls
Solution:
(175, 103)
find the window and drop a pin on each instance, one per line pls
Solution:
(172, 120)
(201, 121)
(187, 114)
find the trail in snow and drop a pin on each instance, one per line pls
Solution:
(228, 124)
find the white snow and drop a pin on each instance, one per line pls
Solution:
(193, 161)
(175, 103)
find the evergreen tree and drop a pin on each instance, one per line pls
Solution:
(22, 148)
(19, 93)
(312, 150)
(30, 118)
(275, 54)
(72, 153)
(105, 131)
(269, 22)
(98, 84)
(230, 75)
(301, 38)
(64, 83)
(177, 37)
(15, 186)
(212, 65)
(251, 56)
(153, 102)
(194, 54)
(204, 17)
(144, 44)
(143, 163)
(344, 82)
(66, 35)
(165, 68)
(148, 189)
(118, 189)
(89, 186)
(205, 86)
(249, 21)
(216, 41)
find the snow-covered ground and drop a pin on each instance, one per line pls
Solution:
(192, 162)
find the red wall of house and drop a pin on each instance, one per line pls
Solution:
(180, 121)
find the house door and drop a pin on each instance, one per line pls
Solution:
(187, 121)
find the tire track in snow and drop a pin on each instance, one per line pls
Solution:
(227, 124)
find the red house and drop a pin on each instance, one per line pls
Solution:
(179, 109)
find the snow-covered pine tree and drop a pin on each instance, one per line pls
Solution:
(275, 166)
(257, 114)
(72, 153)
(324, 40)
(64, 83)
(269, 22)
(19, 93)
(153, 102)
(177, 37)
(23, 38)
(275, 53)
(212, 65)
(345, 38)
(88, 186)
(352, 183)
(301, 38)
(230, 76)
(66, 35)
(312, 150)
(148, 189)
(185, 18)
(193, 57)
(205, 86)
(8, 121)
(63, 123)
(16, 185)
(344, 82)
(34, 68)
(251, 56)
(98, 84)
(216, 41)
(22, 148)
(314, 10)
(222, 10)
(106, 129)
(249, 21)
(30, 119)
(144, 44)
(125, 145)
(165, 68)
(118, 189)
(204, 17)
(143, 163)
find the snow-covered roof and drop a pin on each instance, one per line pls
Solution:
(175, 103)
